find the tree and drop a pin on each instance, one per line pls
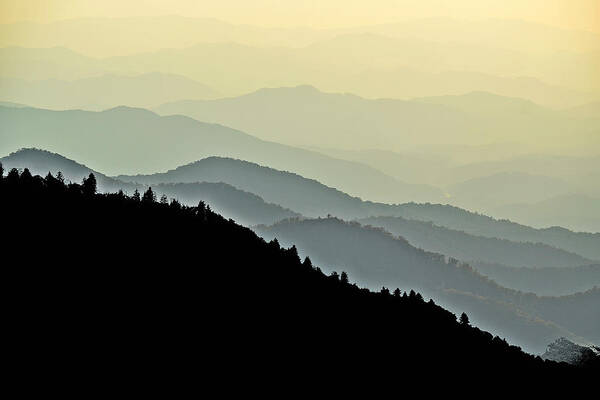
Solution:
(397, 292)
(136, 195)
(464, 319)
(1, 171)
(60, 177)
(202, 210)
(149, 197)
(344, 277)
(164, 199)
(385, 291)
(89, 185)
(26, 176)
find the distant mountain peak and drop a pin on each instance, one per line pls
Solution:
(563, 350)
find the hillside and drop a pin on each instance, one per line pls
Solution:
(127, 140)
(245, 208)
(375, 258)
(264, 301)
(313, 199)
(466, 247)
(559, 281)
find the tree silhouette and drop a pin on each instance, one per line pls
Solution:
(164, 199)
(464, 319)
(136, 195)
(344, 277)
(149, 197)
(263, 301)
(89, 185)
(1, 171)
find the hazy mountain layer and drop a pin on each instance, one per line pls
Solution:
(368, 64)
(122, 140)
(103, 36)
(466, 247)
(306, 116)
(374, 258)
(102, 92)
(577, 212)
(312, 199)
(542, 281)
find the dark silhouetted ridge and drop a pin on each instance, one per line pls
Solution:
(137, 285)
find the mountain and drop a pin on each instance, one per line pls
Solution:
(582, 243)
(245, 208)
(127, 275)
(574, 211)
(337, 62)
(122, 140)
(374, 258)
(409, 83)
(105, 91)
(41, 162)
(305, 116)
(466, 247)
(555, 281)
(313, 199)
(489, 192)
(102, 36)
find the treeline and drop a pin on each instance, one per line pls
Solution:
(145, 283)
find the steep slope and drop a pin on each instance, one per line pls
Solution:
(245, 208)
(375, 258)
(252, 298)
(124, 140)
(105, 91)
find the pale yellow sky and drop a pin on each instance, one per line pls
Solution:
(576, 14)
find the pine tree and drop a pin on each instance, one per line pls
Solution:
(149, 197)
(464, 319)
(136, 195)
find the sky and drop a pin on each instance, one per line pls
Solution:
(572, 14)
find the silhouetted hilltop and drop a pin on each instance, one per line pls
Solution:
(199, 286)
(130, 140)
(374, 258)
(466, 247)
(40, 162)
(245, 208)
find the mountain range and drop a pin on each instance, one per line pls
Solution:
(374, 258)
